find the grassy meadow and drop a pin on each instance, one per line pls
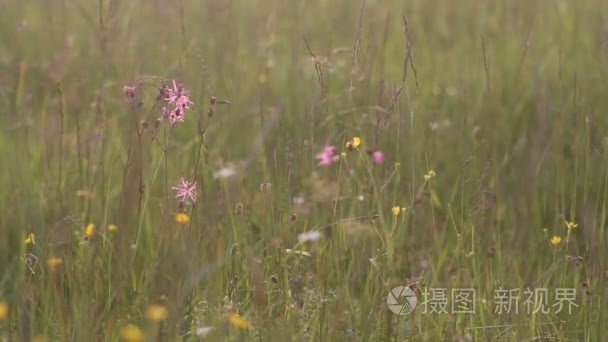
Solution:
(269, 170)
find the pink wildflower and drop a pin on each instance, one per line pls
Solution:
(128, 91)
(174, 115)
(177, 96)
(177, 101)
(378, 157)
(186, 190)
(327, 156)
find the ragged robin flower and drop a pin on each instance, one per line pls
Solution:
(327, 156)
(378, 157)
(176, 102)
(129, 91)
(185, 189)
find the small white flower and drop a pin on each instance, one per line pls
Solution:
(312, 235)
(290, 251)
(264, 186)
(224, 173)
(203, 331)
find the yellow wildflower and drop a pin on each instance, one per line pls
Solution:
(131, 333)
(239, 321)
(3, 310)
(570, 225)
(156, 313)
(182, 218)
(262, 78)
(85, 193)
(429, 175)
(396, 210)
(555, 240)
(354, 143)
(54, 262)
(112, 228)
(30, 240)
(89, 230)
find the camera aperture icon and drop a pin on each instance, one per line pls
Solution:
(401, 300)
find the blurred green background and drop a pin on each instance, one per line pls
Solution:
(504, 100)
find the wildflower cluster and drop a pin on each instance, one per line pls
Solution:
(176, 101)
(328, 155)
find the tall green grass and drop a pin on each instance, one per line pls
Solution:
(505, 101)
